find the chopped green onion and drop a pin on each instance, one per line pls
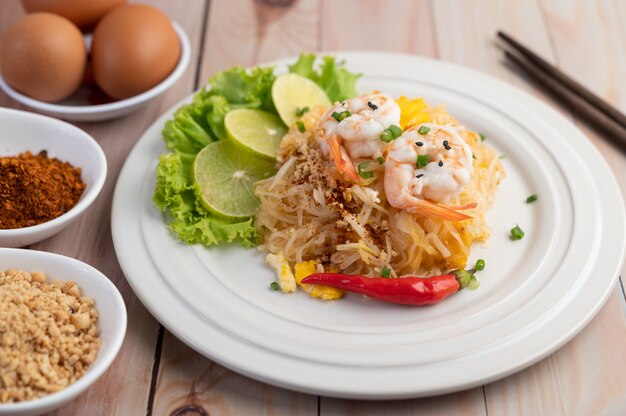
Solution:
(422, 160)
(380, 160)
(517, 233)
(480, 264)
(340, 116)
(473, 284)
(300, 126)
(390, 133)
(482, 137)
(531, 198)
(474, 157)
(385, 272)
(395, 130)
(274, 286)
(365, 174)
(301, 111)
(423, 130)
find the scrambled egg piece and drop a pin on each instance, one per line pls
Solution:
(307, 268)
(413, 112)
(286, 281)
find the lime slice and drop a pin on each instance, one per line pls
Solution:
(293, 91)
(256, 130)
(226, 175)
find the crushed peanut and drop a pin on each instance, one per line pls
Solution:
(48, 335)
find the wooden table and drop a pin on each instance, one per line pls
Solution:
(157, 374)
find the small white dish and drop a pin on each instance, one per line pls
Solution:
(23, 131)
(111, 321)
(78, 108)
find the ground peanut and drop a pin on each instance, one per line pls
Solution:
(48, 335)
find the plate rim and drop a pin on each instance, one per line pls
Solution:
(355, 393)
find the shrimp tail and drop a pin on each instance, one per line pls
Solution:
(432, 210)
(342, 160)
(464, 207)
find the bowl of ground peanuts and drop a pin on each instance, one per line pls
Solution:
(62, 323)
(50, 173)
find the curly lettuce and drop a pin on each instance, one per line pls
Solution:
(338, 83)
(201, 122)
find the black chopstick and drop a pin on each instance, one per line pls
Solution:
(566, 80)
(616, 132)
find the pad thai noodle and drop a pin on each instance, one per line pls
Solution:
(374, 186)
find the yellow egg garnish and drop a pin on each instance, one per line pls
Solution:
(279, 263)
(307, 268)
(413, 111)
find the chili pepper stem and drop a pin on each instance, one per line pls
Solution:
(463, 277)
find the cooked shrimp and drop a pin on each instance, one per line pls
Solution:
(358, 134)
(447, 169)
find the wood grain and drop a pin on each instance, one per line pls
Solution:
(466, 403)
(398, 26)
(468, 35)
(189, 384)
(249, 32)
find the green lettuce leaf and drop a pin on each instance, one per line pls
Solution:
(338, 83)
(241, 88)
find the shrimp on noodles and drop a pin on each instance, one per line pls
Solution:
(428, 163)
(351, 129)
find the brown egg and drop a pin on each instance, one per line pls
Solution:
(84, 13)
(43, 55)
(134, 48)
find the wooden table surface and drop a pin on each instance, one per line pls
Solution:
(157, 374)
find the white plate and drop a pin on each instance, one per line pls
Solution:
(78, 108)
(535, 294)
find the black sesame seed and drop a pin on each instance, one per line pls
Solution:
(372, 106)
(420, 175)
(440, 163)
(445, 143)
(420, 144)
(448, 147)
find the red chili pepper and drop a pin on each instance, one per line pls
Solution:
(409, 290)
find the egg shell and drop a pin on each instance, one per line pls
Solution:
(83, 13)
(133, 49)
(43, 55)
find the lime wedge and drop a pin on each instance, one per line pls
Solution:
(255, 130)
(226, 175)
(293, 91)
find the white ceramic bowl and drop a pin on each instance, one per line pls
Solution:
(111, 321)
(22, 131)
(77, 107)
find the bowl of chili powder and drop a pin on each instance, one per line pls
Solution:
(50, 172)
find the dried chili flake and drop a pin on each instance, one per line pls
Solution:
(35, 189)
